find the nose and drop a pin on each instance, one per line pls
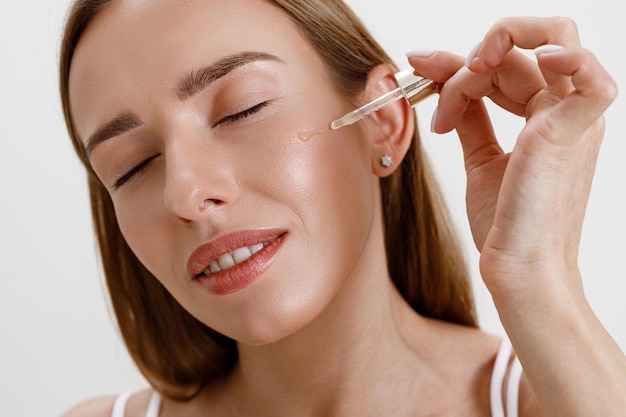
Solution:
(198, 181)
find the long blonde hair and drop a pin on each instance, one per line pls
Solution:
(177, 353)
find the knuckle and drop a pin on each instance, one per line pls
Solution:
(502, 23)
(611, 90)
(605, 86)
(564, 25)
(501, 26)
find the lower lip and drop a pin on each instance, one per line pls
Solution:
(243, 274)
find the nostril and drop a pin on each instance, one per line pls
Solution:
(209, 202)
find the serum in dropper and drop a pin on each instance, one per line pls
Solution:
(410, 86)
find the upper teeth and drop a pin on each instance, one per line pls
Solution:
(228, 260)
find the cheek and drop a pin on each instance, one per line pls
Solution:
(342, 199)
(325, 185)
(131, 225)
(149, 235)
(326, 177)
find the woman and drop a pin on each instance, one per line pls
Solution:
(261, 264)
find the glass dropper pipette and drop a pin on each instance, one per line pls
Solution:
(410, 86)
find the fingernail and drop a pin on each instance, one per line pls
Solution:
(434, 120)
(547, 49)
(419, 53)
(472, 54)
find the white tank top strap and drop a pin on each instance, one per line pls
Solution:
(500, 368)
(119, 407)
(154, 406)
(512, 388)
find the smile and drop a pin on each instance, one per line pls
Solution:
(233, 258)
(233, 261)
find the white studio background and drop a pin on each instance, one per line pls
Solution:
(58, 344)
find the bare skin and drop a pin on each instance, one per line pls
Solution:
(340, 341)
(526, 208)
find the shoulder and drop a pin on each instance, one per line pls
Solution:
(479, 351)
(103, 406)
(93, 407)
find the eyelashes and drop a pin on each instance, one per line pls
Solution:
(143, 165)
(137, 169)
(243, 114)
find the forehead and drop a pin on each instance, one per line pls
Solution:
(136, 50)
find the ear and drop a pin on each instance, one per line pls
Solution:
(391, 128)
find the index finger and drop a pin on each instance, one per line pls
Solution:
(525, 33)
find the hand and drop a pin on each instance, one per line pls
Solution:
(526, 208)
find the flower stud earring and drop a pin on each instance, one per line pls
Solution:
(386, 161)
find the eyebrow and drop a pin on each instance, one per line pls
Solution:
(120, 124)
(197, 81)
(188, 86)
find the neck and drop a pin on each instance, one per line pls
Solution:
(359, 344)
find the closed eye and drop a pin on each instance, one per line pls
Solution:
(136, 170)
(242, 115)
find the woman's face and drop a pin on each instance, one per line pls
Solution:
(191, 113)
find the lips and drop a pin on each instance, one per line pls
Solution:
(235, 260)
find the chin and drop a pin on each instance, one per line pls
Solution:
(277, 324)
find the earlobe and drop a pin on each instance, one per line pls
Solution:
(392, 126)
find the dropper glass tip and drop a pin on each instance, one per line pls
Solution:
(367, 109)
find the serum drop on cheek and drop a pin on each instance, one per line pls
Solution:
(306, 136)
